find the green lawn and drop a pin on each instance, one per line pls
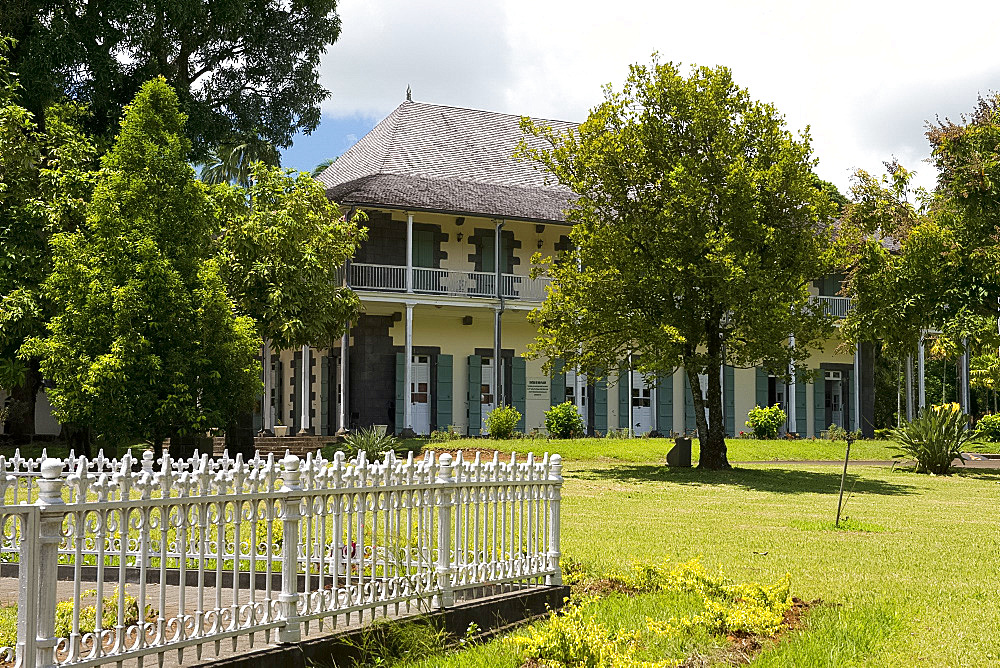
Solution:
(917, 582)
(655, 449)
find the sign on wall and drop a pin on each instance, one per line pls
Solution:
(538, 388)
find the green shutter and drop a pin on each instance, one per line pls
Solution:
(278, 390)
(601, 406)
(324, 395)
(819, 403)
(475, 410)
(557, 388)
(445, 416)
(729, 400)
(262, 405)
(489, 253)
(400, 391)
(423, 248)
(518, 388)
(623, 399)
(801, 423)
(665, 405)
(690, 424)
(761, 385)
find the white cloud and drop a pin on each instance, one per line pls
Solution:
(863, 74)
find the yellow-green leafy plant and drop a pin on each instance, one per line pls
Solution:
(564, 421)
(935, 438)
(502, 421)
(88, 613)
(767, 421)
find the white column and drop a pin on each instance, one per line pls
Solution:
(921, 385)
(576, 393)
(631, 418)
(265, 407)
(908, 376)
(344, 368)
(790, 400)
(965, 391)
(408, 368)
(856, 381)
(305, 404)
(722, 389)
(409, 254)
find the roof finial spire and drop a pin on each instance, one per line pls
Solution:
(409, 93)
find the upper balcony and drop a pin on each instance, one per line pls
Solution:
(447, 282)
(835, 306)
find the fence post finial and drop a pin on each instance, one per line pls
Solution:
(555, 495)
(289, 598)
(50, 488)
(446, 495)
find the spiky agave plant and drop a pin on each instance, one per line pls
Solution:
(935, 438)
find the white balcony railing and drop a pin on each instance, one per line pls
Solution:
(835, 306)
(446, 282)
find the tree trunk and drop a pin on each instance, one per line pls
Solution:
(712, 442)
(239, 436)
(22, 407)
(77, 438)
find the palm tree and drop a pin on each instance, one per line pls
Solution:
(321, 167)
(230, 163)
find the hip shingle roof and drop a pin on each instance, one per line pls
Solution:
(430, 157)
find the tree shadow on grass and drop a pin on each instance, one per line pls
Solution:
(771, 479)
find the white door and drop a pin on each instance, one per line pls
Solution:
(642, 405)
(837, 402)
(571, 394)
(487, 399)
(703, 382)
(420, 394)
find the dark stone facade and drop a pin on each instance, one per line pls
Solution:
(372, 374)
(386, 242)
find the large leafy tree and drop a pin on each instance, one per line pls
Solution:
(282, 249)
(698, 226)
(244, 70)
(941, 270)
(146, 341)
(45, 181)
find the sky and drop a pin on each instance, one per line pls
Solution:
(865, 77)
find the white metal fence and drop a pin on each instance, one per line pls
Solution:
(118, 560)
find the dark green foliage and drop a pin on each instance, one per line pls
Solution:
(242, 69)
(935, 438)
(45, 182)
(698, 225)
(146, 341)
(564, 421)
(988, 428)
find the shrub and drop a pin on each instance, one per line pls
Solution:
(88, 614)
(445, 435)
(883, 434)
(766, 422)
(935, 438)
(373, 440)
(502, 421)
(988, 428)
(563, 421)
